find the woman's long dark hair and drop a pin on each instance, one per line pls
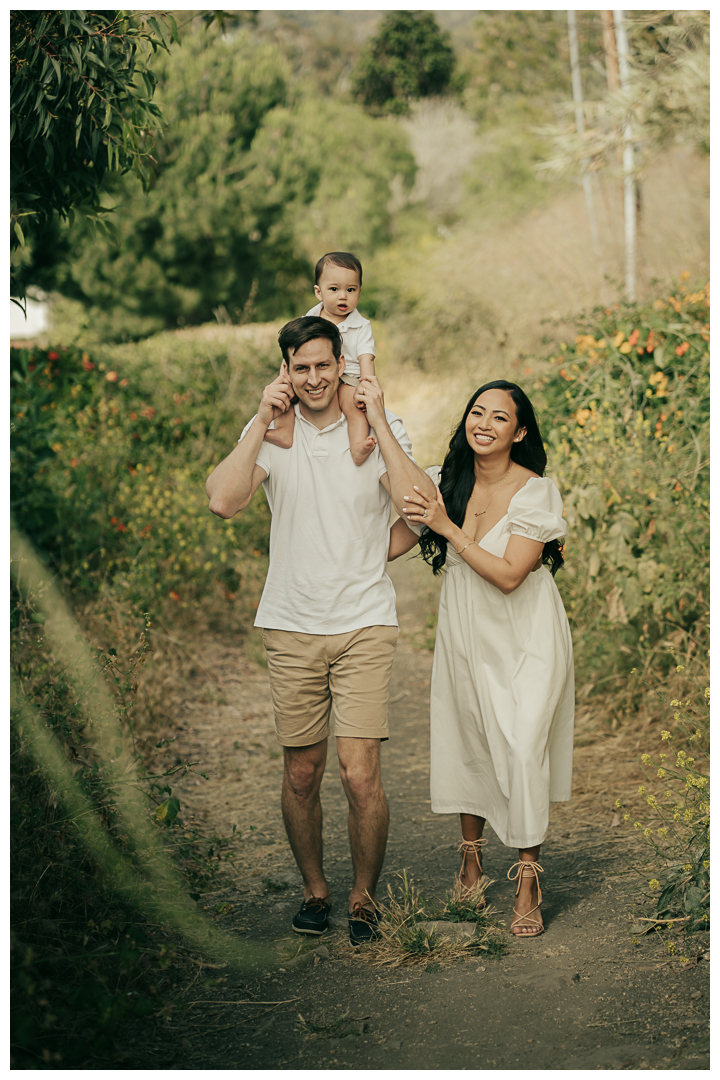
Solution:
(458, 474)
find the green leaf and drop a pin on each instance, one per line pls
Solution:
(18, 232)
(167, 811)
(36, 617)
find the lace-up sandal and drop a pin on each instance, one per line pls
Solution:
(469, 892)
(313, 916)
(535, 925)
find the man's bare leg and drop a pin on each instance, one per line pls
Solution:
(302, 813)
(368, 813)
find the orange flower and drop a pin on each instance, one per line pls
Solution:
(633, 339)
(87, 363)
(174, 595)
(682, 349)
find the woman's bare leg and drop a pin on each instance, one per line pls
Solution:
(527, 897)
(472, 829)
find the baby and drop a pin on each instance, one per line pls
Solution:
(338, 281)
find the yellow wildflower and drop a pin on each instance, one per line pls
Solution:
(646, 760)
(665, 735)
(680, 668)
(647, 832)
(661, 774)
(618, 804)
(637, 824)
(654, 883)
(641, 790)
(687, 868)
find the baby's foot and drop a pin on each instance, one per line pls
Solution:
(361, 453)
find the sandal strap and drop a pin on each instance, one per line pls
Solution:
(526, 919)
(472, 847)
(526, 869)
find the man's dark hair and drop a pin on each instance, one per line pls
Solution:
(298, 332)
(338, 258)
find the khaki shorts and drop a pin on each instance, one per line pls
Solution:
(310, 673)
(350, 380)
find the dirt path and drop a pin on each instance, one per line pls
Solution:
(584, 995)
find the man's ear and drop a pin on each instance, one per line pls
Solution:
(341, 364)
(317, 292)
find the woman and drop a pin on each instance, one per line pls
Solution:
(502, 698)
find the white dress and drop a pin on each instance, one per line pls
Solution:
(502, 701)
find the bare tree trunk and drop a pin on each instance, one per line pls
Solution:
(628, 165)
(611, 57)
(580, 125)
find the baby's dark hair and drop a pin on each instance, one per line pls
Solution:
(338, 258)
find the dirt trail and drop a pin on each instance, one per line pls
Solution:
(581, 996)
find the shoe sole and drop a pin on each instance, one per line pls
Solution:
(315, 933)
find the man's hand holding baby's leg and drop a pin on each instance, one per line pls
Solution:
(362, 443)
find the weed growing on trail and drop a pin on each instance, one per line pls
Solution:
(409, 937)
(678, 795)
(466, 905)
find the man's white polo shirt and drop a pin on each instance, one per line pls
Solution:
(357, 338)
(329, 534)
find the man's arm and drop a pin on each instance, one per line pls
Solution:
(232, 484)
(403, 475)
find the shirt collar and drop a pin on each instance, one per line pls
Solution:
(353, 321)
(319, 431)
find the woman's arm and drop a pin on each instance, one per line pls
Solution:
(402, 539)
(506, 573)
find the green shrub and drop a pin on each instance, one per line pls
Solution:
(678, 795)
(628, 443)
(110, 457)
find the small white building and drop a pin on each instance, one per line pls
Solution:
(37, 321)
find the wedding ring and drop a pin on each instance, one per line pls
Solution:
(424, 513)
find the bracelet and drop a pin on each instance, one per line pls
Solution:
(469, 544)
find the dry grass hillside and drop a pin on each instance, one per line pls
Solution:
(482, 297)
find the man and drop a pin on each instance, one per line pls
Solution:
(328, 607)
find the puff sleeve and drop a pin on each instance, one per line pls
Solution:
(536, 511)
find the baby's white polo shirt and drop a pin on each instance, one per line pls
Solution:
(357, 338)
(329, 534)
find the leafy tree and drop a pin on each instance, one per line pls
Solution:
(80, 108)
(668, 96)
(409, 58)
(251, 186)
